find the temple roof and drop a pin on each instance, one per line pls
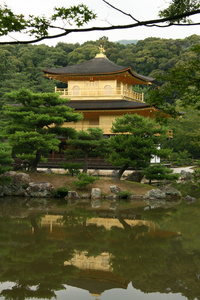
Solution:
(106, 105)
(96, 66)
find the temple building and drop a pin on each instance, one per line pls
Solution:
(102, 91)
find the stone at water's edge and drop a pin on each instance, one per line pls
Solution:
(39, 189)
(23, 185)
(111, 197)
(165, 192)
(72, 195)
(170, 191)
(18, 185)
(96, 193)
(159, 198)
(188, 199)
(155, 194)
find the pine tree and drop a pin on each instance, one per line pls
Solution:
(135, 143)
(34, 124)
(5, 162)
(159, 172)
(85, 144)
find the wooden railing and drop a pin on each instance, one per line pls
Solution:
(126, 94)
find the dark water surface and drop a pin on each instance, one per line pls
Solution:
(76, 252)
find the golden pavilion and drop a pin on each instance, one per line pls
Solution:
(102, 91)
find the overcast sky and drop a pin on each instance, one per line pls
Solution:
(141, 10)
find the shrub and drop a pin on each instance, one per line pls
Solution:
(124, 195)
(60, 192)
(196, 175)
(84, 180)
(181, 158)
(197, 163)
(73, 168)
(159, 172)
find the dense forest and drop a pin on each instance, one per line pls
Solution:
(20, 65)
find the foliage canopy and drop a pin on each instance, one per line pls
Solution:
(40, 27)
(85, 144)
(5, 162)
(136, 141)
(34, 122)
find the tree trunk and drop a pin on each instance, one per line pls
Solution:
(85, 163)
(34, 163)
(123, 222)
(36, 229)
(120, 172)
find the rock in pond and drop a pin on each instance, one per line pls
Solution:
(18, 185)
(111, 197)
(188, 199)
(39, 189)
(72, 195)
(155, 194)
(171, 192)
(96, 193)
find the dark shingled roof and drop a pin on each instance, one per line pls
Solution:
(95, 66)
(106, 104)
(97, 285)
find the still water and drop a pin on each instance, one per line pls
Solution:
(76, 252)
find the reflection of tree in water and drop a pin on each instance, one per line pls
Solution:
(159, 261)
(155, 263)
(20, 292)
(90, 238)
(32, 260)
(77, 217)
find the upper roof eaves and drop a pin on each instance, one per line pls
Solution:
(95, 66)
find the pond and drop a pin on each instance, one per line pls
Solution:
(76, 252)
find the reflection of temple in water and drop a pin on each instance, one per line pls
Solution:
(95, 272)
(55, 221)
(83, 262)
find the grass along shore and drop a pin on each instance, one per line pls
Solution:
(104, 183)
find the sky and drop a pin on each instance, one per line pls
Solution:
(141, 10)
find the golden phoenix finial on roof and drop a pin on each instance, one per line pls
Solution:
(101, 48)
(100, 55)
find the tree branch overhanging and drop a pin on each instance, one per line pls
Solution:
(160, 22)
(121, 11)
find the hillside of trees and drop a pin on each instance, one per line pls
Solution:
(20, 65)
(126, 42)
